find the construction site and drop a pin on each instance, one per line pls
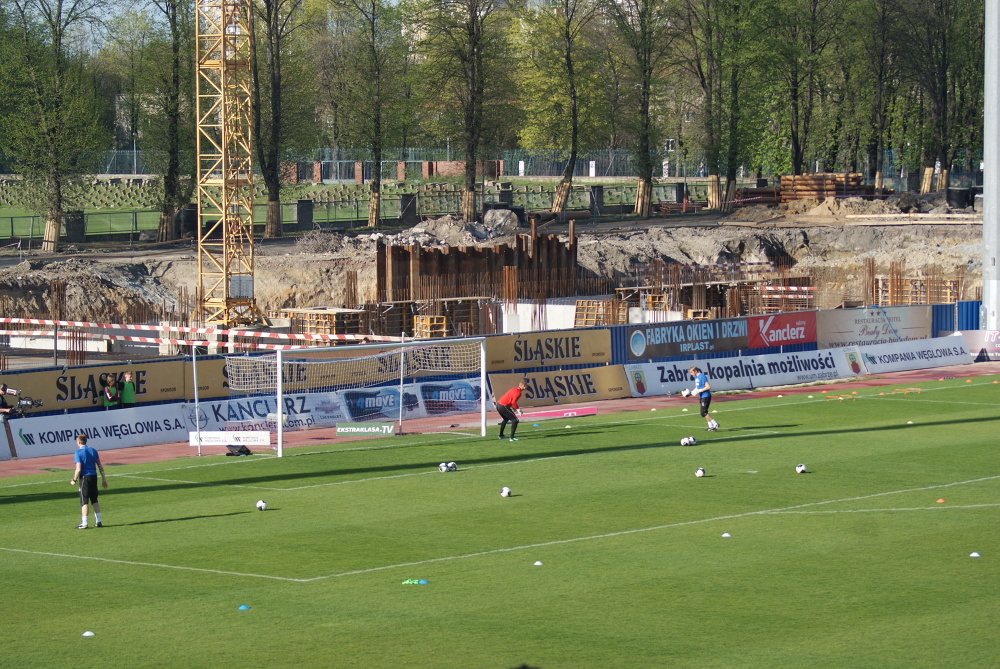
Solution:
(811, 242)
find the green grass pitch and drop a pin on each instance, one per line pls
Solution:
(853, 564)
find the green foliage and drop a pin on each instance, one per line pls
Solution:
(776, 85)
(853, 564)
(464, 67)
(545, 80)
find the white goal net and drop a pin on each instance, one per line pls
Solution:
(418, 386)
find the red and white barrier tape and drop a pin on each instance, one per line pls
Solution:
(190, 330)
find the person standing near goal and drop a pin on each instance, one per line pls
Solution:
(703, 389)
(87, 463)
(508, 409)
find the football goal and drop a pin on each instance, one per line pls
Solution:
(385, 388)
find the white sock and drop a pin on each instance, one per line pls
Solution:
(97, 517)
(84, 521)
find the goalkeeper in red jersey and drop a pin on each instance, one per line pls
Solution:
(508, 409)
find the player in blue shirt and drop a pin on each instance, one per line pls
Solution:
(87, 463)
(703, 389)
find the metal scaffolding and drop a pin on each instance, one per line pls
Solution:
(225, 170)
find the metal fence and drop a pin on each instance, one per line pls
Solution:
(338, 163)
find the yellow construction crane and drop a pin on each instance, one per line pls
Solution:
(225, 169)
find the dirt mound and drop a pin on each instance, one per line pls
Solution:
(757, 213)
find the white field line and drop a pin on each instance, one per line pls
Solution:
(495, 551)
(148, 564)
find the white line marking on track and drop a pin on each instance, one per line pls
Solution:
(495, 551)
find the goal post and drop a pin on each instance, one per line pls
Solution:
(416, 386)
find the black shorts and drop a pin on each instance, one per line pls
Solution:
(88, 489)
(507, 413)
(703, 403)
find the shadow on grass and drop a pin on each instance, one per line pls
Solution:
(175, 520)
(498, 457)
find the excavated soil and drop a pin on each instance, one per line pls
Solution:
(811, 239)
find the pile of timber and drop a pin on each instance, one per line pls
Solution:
(668, 208)
(821, 186)
(767, 196)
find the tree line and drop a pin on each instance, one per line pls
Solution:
(773, 86)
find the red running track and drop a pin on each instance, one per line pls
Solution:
(161, 452)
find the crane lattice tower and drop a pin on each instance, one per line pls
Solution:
(225, 169)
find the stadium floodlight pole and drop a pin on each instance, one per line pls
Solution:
(197, 409)
(279, 413)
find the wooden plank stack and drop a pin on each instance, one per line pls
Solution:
(322, 320)
(822, 186)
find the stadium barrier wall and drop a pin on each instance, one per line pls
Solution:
(984, 345)
(583, 374)
(548, 349)
(746, 372)
(72, 389)
(546, 388)
(37, 436)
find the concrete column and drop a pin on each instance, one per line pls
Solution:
(989, 319)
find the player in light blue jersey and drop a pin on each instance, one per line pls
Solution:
(703, 390)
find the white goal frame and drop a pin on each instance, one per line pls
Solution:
(358, 352)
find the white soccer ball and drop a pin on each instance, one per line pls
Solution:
(452, 467)
(686, 392)
(699, 472)
(800, 469)
(443, 467)
(505, 491)
(261, 505)
(685, 442)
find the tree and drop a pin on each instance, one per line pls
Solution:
(723, 51)
(874, 25)
(933, 46)
(59, 122)
(150, 56)
(801, 33)
(466, 60)
(557, 50)
(645, 30)
(373, 108)
(172, 96)
(279, 19)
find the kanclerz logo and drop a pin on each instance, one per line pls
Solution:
(366, 429)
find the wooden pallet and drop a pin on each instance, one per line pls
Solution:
(592, 313)
(429, 327)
